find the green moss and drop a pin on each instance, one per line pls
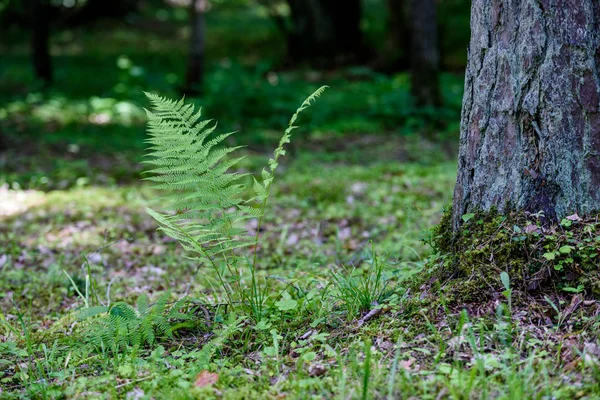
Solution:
(537, 257)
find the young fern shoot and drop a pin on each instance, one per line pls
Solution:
(205, 210)
(263, 189)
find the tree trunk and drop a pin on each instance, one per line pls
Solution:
(303, 36)
(398, 46)
(323, 32)
(195, 69)
(348, 36)
(42, 63)
(93, 10)
(530, 126)
(424, 53)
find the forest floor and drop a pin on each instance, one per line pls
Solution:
(65, 252)
(344, 242)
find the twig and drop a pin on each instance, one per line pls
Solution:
(372, 314)
(132, 382)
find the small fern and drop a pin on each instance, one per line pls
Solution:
(204, 356)
(121, 325)
(205, 209)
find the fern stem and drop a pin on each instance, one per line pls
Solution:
(279, 151)
(233, 273)
(207, 256)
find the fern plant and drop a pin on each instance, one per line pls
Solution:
(121, 325)
(203, 356)
(205, 208)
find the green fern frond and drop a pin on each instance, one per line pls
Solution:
(123, 311)
(263, 189)
(205, 209)
(204, 356)
(123, 325)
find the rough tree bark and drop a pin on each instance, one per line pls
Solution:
(195, 69)
(40, 48)
(424, 54)
(530, 126)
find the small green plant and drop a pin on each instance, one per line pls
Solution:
(86, 296)
(121, 325)
(206, 211)
(274, 351)
(204, 356)
(560, 314)
(505, 279)
(366, 370)
(360, 292)
(504, 326)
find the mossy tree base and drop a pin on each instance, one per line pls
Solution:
(538, 258)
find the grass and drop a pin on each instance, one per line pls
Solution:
(306, 238)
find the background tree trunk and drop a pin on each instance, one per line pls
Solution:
(42, 63)
(326, 32)
(398, 46)
(530, 126)
(195, 69)
(94, 10)
(424, 53)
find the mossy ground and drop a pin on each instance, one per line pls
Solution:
(541, 260)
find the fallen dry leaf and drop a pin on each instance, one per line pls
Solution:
(406, 364)
(206, 378)
(575, 302)
(572, 365)
(532, 228)
(574, 217)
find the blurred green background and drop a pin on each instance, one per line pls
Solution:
(86, 125)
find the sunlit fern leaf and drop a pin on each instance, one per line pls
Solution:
(204, 207)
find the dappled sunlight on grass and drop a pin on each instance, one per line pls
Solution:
(61, 110)
(14, 202)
